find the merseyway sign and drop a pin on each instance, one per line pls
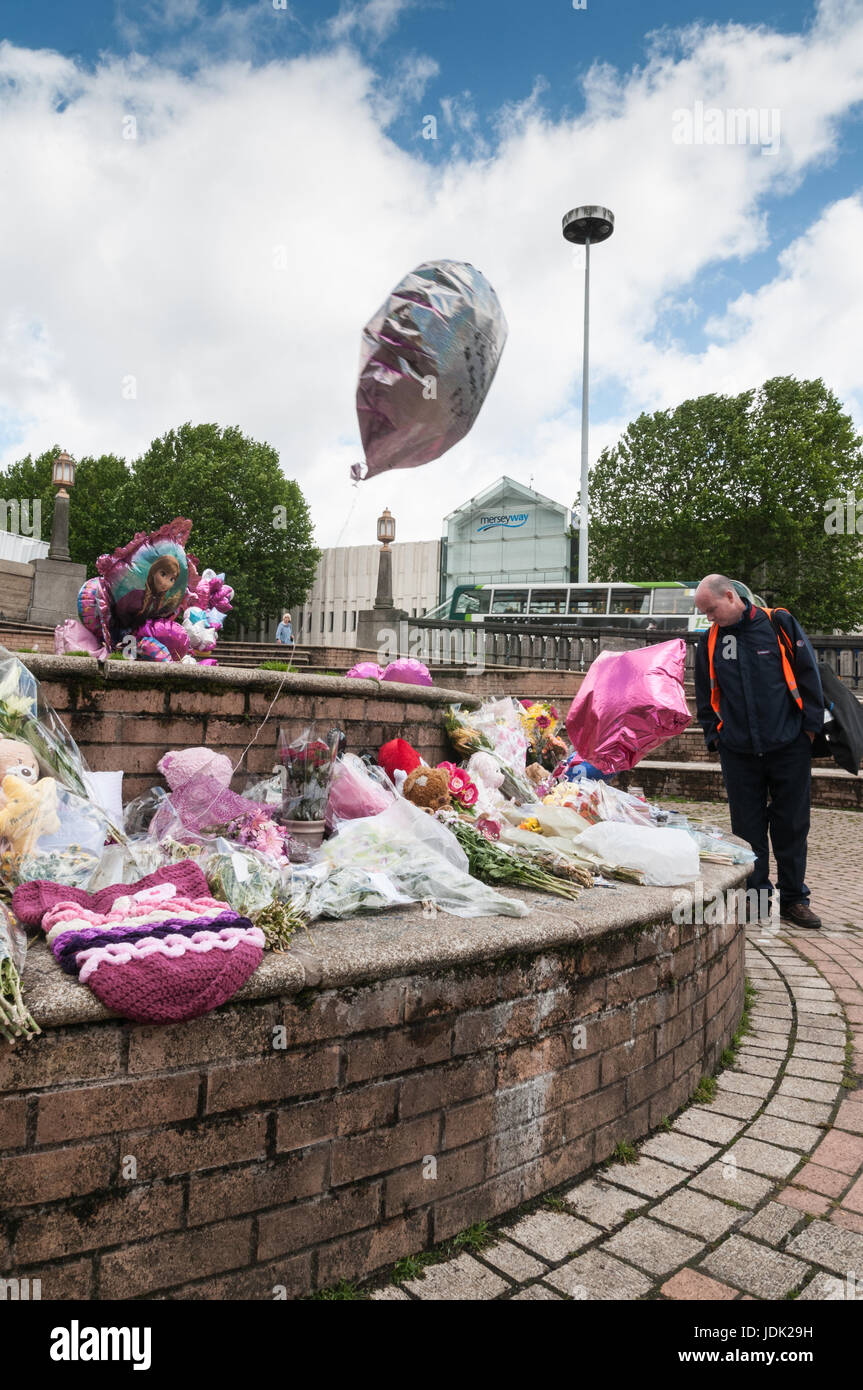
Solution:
(511, 520)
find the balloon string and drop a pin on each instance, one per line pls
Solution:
(351, 511)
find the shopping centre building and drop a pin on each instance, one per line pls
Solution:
(507, 532)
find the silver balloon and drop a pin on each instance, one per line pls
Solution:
(428, 358)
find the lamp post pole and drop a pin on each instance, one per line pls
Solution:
(63, 474)
(583, 226)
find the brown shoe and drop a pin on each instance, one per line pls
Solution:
(801, 914)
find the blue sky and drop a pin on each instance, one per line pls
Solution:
(726, 266)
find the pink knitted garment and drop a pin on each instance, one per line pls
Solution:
(160, 988)
(31, 901)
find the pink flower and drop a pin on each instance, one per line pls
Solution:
(543, 721)
(468, 795)
(458, 781)
(490, 828)
(448, 767)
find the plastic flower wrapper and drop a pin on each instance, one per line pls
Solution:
(324, 890)
(26, 715)
(15, 1020)
(357, 790)
(308, 766)
(421, 857)
(496, 730)
(597, 801)
(664, 856)
(46, 831)
(542, 724)
(628, 704)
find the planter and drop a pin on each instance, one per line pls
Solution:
(310, 832)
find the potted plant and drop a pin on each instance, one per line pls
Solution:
(308, 768)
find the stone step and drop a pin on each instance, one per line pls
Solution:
(703, 782)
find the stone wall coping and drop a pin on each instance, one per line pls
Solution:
(378, 946)
(175, 676)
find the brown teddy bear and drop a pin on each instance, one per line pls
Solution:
(428, 788)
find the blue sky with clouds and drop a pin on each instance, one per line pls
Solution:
(259, 126)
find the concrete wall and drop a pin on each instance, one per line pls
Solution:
(16, 583)
(346, 582)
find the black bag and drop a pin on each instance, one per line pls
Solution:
(842, 739)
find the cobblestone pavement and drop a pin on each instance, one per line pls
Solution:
(755, 1195)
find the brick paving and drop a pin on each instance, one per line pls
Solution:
(755, 1195)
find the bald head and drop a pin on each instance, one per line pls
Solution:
(717, 598)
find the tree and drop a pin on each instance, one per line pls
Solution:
(744, 485)
(248, 519)
(99, 503)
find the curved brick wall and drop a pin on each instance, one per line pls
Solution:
(385, 1085)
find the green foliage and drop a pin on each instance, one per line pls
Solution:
(705, 1091)
(741, 485)
(625, 1153)
(248, 518)
(342, 1290)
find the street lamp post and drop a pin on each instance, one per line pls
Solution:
(585, 226)
(63, 476)
(56, 577)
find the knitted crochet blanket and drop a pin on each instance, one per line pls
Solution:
(151, 952)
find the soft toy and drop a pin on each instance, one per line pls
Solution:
(428, 788)
(29, 811)
(17, 758)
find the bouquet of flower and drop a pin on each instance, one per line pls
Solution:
(24, 715)
(462, 790)
(542, 724)
(308, 766)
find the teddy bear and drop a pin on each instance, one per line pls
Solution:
(428, 788)
(29, 811)
(17, 758)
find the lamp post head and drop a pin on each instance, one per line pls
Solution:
(63, 474)
(591, 224)
(386, 528)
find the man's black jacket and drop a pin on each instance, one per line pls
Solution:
(757, 709)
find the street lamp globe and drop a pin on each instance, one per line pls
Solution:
(63, 475)
(591, 224)
(386, 527)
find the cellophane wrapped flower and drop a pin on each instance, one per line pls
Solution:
(541, 723)
(308, 763)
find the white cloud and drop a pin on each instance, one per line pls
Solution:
(372, 19)
(229, 256)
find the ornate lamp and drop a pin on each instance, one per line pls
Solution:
(63, 477)
(386, 528)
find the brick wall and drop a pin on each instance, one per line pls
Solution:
(130, 720)
(204, 1161)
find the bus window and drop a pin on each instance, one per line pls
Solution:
(547, 601)
(509, 601)
(630, 601)
(470, 601)
(587, 600)
(676, 602)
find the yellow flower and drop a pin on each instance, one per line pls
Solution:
(531, 824)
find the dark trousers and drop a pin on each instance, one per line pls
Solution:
(771, 791)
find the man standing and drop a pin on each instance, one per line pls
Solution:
(760, 703)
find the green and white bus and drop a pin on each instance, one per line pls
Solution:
(666, 604)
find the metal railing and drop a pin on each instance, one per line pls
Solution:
(573, 648)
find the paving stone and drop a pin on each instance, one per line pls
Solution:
(461, 1278)
(780, 1027)
(841, 1151)
(535, 1292)
(688, 1284)
(509, 1259)
(807, 1112)
(801, 1200)
(814, 1071)
(744, 1085)
(752, 1065)
(679, 1149)
(850, 1220)
(598, 1276)
(825, 1244)
(696, 1213)
(390, 1293)
(811, 1008)
(758, 1157)
(830, 1288)
(653, 1247)
(806, 1090)
(552, 1234)
(763, 1011)
(772, 1223)
(704, 1124)
(602, 1204)
(732, 1184)
(647, 1176)
(785, 1133)
(850, 1117)
(754, 1268)
(817, 1052)
(732, 1103)
(824, 1180)
(829, 1037)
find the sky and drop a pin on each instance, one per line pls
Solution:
(204, 202)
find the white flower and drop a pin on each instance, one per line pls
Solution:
(17, 706)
